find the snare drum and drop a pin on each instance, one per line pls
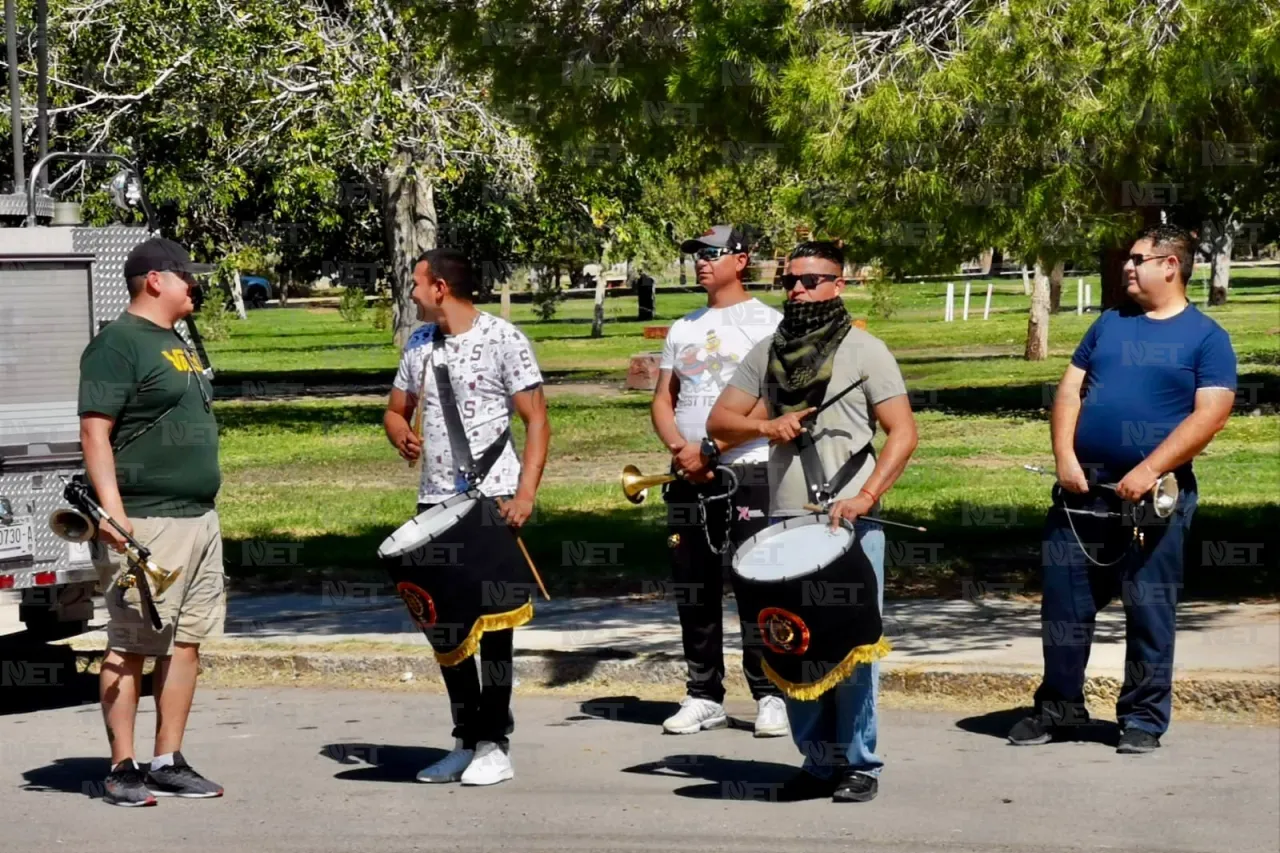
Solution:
(812, 594)
(460, 571)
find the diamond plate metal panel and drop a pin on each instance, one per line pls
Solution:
(110, 246)
(37, 494)
(15, 204)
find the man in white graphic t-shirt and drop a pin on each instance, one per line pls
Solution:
(702, 351)
(492, 372)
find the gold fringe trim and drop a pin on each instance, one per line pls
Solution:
(491, 622)
(808, 692)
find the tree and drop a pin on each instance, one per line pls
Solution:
(298, 110)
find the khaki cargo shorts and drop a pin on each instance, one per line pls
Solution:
(192, 610)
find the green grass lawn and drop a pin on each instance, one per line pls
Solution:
(311, 485)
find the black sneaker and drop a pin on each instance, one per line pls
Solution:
(805, 786)
(124, 786)
(856, 787)
(1030, 731)
(1135, 741)
(179, 779)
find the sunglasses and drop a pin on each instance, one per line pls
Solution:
(1138, 260)
(810, 280)
(712, 253)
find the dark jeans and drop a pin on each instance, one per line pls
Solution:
(480, 695)
(1148, 578)
(698, 574)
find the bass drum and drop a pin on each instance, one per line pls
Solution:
(459, 570)
(812, 595)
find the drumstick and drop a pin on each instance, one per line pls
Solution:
(533, 568)
(417, 414)
(916, 527)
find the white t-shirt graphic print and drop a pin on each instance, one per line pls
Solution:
(703, 349)
(487, 364)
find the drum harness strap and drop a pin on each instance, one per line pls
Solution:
(822, 490)
(472, 471)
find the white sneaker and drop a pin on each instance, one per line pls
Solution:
(490, 766)
(771, 717)
(694, 716)
(449, 768)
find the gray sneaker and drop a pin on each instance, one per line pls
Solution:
(180, 779)
(124, 786)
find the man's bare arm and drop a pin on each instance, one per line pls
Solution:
(532, 408)
(395, 422)
(1062, 427)
(901, 439)
(100, 466)
(662, 411)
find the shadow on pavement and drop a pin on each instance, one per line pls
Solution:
(629, 709)
(998, 723)
(69, 776)
(43, 677)
(380, 762)
(727, 778)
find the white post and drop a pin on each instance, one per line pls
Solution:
(950, 314)
(1079, 296)
(1026, 281)
(1088, 296)
(986, 311)
(968, 285)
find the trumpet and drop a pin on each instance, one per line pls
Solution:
(635, 485)
(1163, 495)
(81, 525)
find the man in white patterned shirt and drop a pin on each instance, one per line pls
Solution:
(492, 372)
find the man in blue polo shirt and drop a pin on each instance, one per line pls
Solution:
(1149, 386)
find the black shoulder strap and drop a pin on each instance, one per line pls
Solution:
(463, 462)
(821, 489)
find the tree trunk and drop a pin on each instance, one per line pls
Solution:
(285, 281)
(409, 211)
(984, 261)
(1055, 286)
(997, 260)
(1224, 238)
(506, 299)
(1026, 281)
(237, 296)
(1114, 292)
(597, 317)
(1038, 318)
(682, 278)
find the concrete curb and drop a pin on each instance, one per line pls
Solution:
(1253, 695)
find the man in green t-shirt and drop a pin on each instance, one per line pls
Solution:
(150, 445)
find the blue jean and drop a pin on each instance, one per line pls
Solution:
(1148, 579)
(836, 732)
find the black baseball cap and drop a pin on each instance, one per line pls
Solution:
(729, 237)
(161, 255)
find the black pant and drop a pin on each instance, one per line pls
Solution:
(1148, 578)
(481, 700)
(480, 695)
(698, 574)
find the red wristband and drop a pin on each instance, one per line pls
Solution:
(868, 494)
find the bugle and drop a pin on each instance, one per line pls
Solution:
(81, 524)
(635, 485)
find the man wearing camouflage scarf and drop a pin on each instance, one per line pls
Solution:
(815, 354)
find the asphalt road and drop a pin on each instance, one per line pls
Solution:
(314, 770)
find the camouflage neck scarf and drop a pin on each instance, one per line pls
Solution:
(803, 353)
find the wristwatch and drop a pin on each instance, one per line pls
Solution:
(710, 450)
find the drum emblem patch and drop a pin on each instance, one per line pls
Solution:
(783, 631)
(421, 607)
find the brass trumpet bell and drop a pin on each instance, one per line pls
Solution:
(1164, 495)
(635, 484)
(74, 526)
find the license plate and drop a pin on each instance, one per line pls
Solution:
(16, 539)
